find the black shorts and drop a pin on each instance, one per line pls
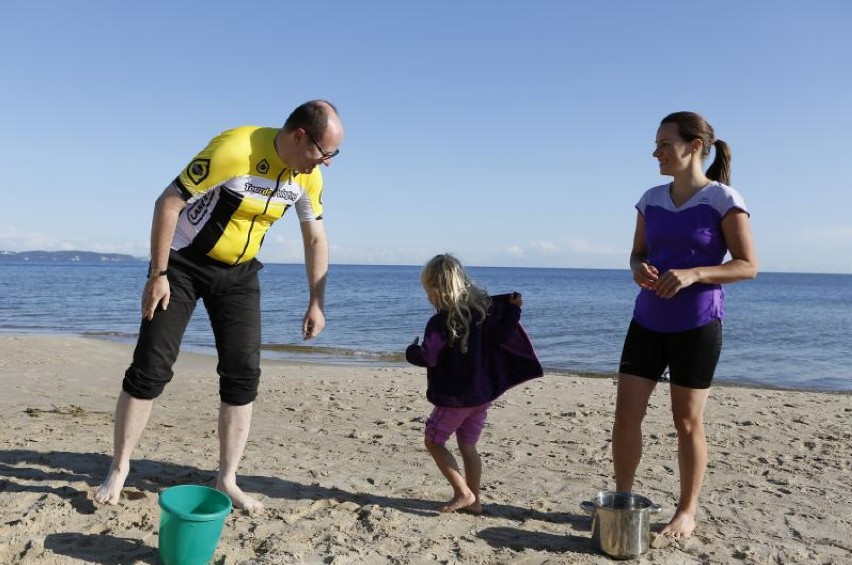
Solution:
(231, 295)
(691, 355)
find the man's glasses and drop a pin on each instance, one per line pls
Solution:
(325, 156)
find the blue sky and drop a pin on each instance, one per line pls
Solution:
(510, 133)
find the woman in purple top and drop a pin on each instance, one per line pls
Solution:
(684, 229)
(473, 349)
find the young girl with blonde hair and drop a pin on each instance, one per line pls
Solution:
(474, 349)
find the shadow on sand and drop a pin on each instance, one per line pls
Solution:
(24, 471)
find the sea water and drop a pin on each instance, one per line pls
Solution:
(782, 330)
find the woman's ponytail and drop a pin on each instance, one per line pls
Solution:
(720, 169)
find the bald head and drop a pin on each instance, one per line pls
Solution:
(311, 136)
(314, 116)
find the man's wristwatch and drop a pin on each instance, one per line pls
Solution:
(152, 272)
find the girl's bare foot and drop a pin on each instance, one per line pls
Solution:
(241, 500)
(680, 526)
(109, 492)
(460, 501)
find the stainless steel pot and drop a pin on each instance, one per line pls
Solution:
(621, 522)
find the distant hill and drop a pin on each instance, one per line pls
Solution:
(66, 257)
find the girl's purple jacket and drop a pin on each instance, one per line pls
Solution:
(500, 355)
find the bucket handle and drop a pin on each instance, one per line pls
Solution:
(589, 506)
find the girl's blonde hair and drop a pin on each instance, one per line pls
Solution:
(456, 294)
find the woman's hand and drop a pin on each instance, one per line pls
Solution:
(646, 275)
(673, 281)
(516, 299)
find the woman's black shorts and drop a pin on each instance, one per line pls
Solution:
(691, 355)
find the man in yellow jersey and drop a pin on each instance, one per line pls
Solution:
(208, 226)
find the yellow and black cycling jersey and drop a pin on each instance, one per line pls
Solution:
(236, 188)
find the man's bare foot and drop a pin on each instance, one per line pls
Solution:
(680, 526)
(109, 492)
(475, 508)
(240, 500)
(460, 501)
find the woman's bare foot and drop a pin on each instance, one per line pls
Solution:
(680, 526)
(109, 492)
(460, 501)
(241, 500)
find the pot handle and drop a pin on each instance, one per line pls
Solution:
(588, 506)
(655, 509)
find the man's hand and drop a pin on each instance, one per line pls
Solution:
(156, 292)
(313, 323)
(315, 242)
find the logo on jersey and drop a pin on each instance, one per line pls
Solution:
(266, 191)
(198, 170)
(263, 167)
(196, 211)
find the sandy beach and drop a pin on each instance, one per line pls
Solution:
(336, 455)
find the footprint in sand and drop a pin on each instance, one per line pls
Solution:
(133, 494)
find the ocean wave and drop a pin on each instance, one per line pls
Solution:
(333, 353)
(111, 335)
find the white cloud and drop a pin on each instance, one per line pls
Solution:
(373, 256)
(286, 247)
(12, 239)
(811, 251)
(831, 234)
(279, 248)
(544, 246)
(570, 252)
(574, 246)
(584, 246)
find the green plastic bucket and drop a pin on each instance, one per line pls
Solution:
(191, 521)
